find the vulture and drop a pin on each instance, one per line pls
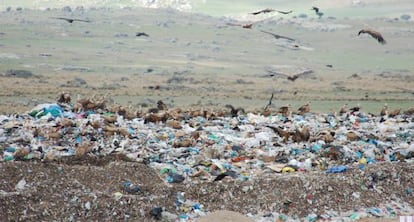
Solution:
(355, 108)
(384, 110)
(267, 10)
(138, 34)
(246, 26)
(304, 109)
(376, 35)
(285, 110)
(343, 109)
(161, 105)
(233, 111)
(278, 36)
(290, 77)
(70, 20)
(394, 113)
(316, 9)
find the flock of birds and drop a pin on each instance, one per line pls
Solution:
(375, 34)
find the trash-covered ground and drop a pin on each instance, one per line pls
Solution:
(91, 160)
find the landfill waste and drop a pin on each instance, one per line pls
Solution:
(195, 147)
(130, 187)
(156, 213)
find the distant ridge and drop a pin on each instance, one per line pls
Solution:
(182, 5)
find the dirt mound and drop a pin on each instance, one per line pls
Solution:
(92, 189)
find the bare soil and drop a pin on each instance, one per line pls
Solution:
(85, 190)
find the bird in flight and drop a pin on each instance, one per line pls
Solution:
(290, 77)
(278, 36)
(316, 9)
(374, 34)
(246, 26)
(138, 34)
(267, 10)
(70, 20)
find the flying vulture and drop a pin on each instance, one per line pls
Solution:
(285, 12)
(290, 77)
(267, 10)
(374, 34)
(70, 20)
(246, 26)
(278, 36)
(138, 34)
(316, 9)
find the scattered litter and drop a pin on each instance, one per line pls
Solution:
(199, 146)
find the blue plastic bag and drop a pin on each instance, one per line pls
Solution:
(337, 169)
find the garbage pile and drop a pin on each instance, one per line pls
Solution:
(195, 146)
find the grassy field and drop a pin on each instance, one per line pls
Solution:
(199, 60)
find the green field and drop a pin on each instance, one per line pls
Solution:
(216, 63)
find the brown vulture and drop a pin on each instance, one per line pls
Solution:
(376, 35)
(290, 77)
(246, 26)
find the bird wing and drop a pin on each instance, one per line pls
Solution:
(263, 11)
(141, 34)
(81, 20)
(304, 73)
(278, 36)
(233, 24)
(66, 19)
(316, 9)
(273, 73)
(284, 12)
(377, 36)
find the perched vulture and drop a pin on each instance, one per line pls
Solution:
(394, 113)
(285, 110)
(233, 111)
(161, 105)
(376, 35)
(304, 109)
(355, 108)
(70, 20)
(384, 110)
(343, 109)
